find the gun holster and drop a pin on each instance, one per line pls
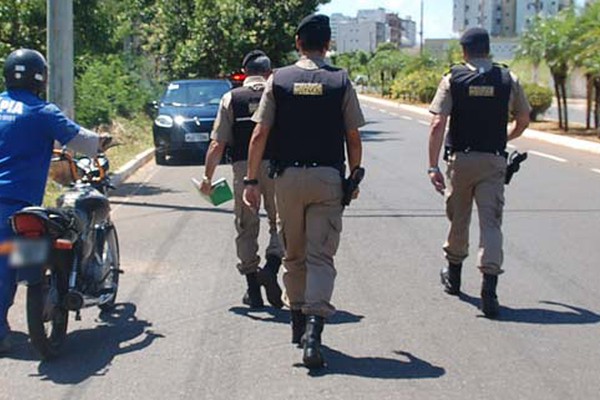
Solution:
(514, 164)
(350, 184)
(275, 169)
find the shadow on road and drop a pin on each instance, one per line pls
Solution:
(410, 367)
(283, 316)
(147, 189)
(542, 316)
(89, 352)
(376, 136)
(172, 207)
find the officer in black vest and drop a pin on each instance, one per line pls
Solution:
(478, 96)
(233, 127)
(308, 111)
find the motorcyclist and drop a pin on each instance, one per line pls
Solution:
(29, 127)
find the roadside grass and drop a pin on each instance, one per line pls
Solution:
(133, 136)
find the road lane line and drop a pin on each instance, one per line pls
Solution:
(548, 156)
(596, 170)
(423, 123)
(511, 146)
(406, 118)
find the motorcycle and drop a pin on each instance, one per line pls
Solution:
(68, 256)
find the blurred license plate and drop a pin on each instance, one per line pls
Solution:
(196, 137)
(29, 252)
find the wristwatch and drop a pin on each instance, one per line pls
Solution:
(433, 170)
(250, 182)
(206, 179)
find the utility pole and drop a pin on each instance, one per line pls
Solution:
(60, 54)
(422, 18)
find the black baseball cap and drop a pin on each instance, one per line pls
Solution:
(476, 38)
(251, 56)
(317, 23)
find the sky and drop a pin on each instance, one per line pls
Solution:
(438, 13)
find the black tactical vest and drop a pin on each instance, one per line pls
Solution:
(480, 107)
(309, 123)
(244, 101)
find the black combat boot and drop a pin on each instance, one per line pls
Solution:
(298, 326)
(268, 278)
(489, 300)
(313, 358)
(253, 298)
(450, 276)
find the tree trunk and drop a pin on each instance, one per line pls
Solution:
(589, 99)
(597, 105)
(563, 86)
(382, 83)
(558, 103)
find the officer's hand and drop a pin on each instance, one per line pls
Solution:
(252, 197)
(355, 194)
(437, 180)
(206, 187)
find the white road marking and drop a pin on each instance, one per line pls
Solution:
(423, 123)
(406, 118)
(548, 156)
(382, 110)
(511, 146)
(596, 170)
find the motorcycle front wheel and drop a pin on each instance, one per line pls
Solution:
(110, 256)
(47, 320)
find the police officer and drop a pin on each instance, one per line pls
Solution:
(308, 111)
(233, 127)
(28, 128)
(478, 96)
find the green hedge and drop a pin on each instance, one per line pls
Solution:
(108, 88)
(540, 99)
(416, 87)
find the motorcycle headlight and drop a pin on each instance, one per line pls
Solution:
(164, 121)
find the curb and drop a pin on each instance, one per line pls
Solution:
(576, 144)
(132, 166)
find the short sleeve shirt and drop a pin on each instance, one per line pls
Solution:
(442, 102)
(223, 127)
(353, 115)
(28, 128)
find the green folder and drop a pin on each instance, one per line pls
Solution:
(220, 193)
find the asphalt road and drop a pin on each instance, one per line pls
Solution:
(180, 331)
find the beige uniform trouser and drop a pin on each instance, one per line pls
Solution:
(310, 213)
(247, 223)
(480, 177)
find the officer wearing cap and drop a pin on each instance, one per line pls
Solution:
(233, 127)
(308, 111)
(478, 96)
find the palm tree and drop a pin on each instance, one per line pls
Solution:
(551, 39)
(588, 57)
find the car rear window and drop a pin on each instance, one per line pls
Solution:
(195, 93)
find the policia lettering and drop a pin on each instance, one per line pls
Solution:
(308, 112)
(478, 96)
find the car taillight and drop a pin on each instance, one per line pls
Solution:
(28, 225)
(238, 77)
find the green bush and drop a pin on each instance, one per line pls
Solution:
(108, 88)
(416, 87)
(540, 99)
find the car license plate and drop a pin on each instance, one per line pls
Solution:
(29, 252)
(196, 137)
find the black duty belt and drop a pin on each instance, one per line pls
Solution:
(278, 167)
(450, 151)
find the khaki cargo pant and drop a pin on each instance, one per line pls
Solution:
(310, 213)
(480, 177)
(247, 223)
